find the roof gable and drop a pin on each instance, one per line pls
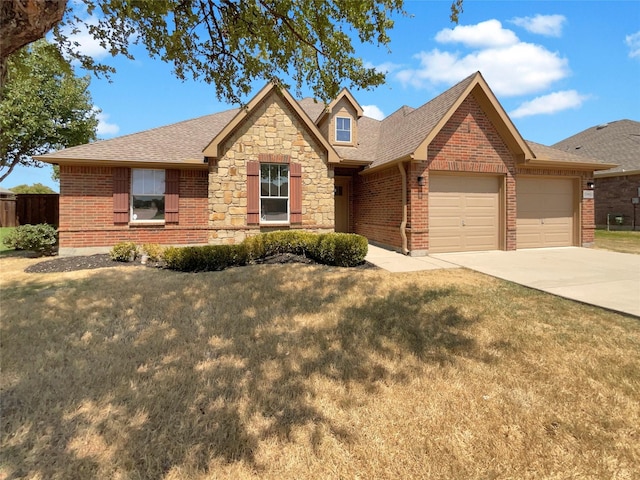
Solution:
(408, 132)
(212, 150)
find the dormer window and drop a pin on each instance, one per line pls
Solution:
(343, 129)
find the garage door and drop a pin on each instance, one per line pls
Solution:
(464, 213)
(545, 212)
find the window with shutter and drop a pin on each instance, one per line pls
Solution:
(274, 193)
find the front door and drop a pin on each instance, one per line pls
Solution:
(341, 200)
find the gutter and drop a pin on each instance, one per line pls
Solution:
(403, 223)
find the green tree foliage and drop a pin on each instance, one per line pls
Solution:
(231, 43)
(35, 188)
(44, 107)
(228, 43)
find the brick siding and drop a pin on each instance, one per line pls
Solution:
(86, 211)
(613, 196)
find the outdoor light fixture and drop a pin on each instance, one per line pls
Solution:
(590, 185)
(421, 181)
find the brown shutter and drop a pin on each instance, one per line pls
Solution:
(171, 195)
(120, 195)
(253, 193)
(295, 198)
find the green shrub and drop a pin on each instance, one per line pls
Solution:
(41, 238)
(205, 258)
(153, 251)
(124, 252)
(341, 249)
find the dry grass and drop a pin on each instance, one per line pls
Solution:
(624, 242)
(292, 371)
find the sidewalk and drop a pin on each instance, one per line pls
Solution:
(396, 262)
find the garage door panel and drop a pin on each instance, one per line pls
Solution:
(545, 212)
(463, 213)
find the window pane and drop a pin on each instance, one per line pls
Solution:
(148, 182)
(284, 180)
(147, 207)
(274, 179)
(343, 129)
(264, 180)
(274, 209)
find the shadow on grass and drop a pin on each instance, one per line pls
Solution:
(137, 373)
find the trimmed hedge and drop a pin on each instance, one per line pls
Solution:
(340, 249)
(205, 258)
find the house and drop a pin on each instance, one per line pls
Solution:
(615, 142)
(452, 175)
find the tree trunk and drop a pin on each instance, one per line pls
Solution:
(23, 22)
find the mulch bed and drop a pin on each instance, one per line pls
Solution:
(71, 264)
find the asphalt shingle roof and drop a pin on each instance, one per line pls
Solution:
(615, 142)
(379, 142)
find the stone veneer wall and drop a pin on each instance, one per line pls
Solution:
(273, 128)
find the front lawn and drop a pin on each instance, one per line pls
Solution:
(307, 372)
(618, 241)
(4, 232)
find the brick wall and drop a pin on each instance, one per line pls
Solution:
(378, 206)
(272, 129)
(613, 195)
(86, 211)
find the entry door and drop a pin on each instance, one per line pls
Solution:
(341, 200)
(464, 213)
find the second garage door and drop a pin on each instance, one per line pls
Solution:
(464, 213)
(545, 212)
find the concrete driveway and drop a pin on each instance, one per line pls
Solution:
(598, 277)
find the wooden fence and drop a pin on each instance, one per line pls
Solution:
(29, 208)
(8, 212)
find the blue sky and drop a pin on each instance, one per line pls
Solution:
(556, 67)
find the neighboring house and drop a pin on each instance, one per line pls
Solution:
(452, 175)
(619, 143)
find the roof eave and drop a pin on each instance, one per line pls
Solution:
(619, 173)
(188, 163)
(542, 163)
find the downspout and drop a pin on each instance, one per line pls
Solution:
(403, 223)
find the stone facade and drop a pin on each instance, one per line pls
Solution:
(273, 129)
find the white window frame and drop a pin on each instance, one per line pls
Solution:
(287, 197)
(145, 192)
(350, 130)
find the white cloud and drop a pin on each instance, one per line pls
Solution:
(633, 42)
(105, 129)
(373, 111)
(518, 69)
(548, 25)
(549, 104)
(386, 67)
(484, 34)
(84, 41)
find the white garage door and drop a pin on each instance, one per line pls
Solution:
(464, 213)
(546, 209)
